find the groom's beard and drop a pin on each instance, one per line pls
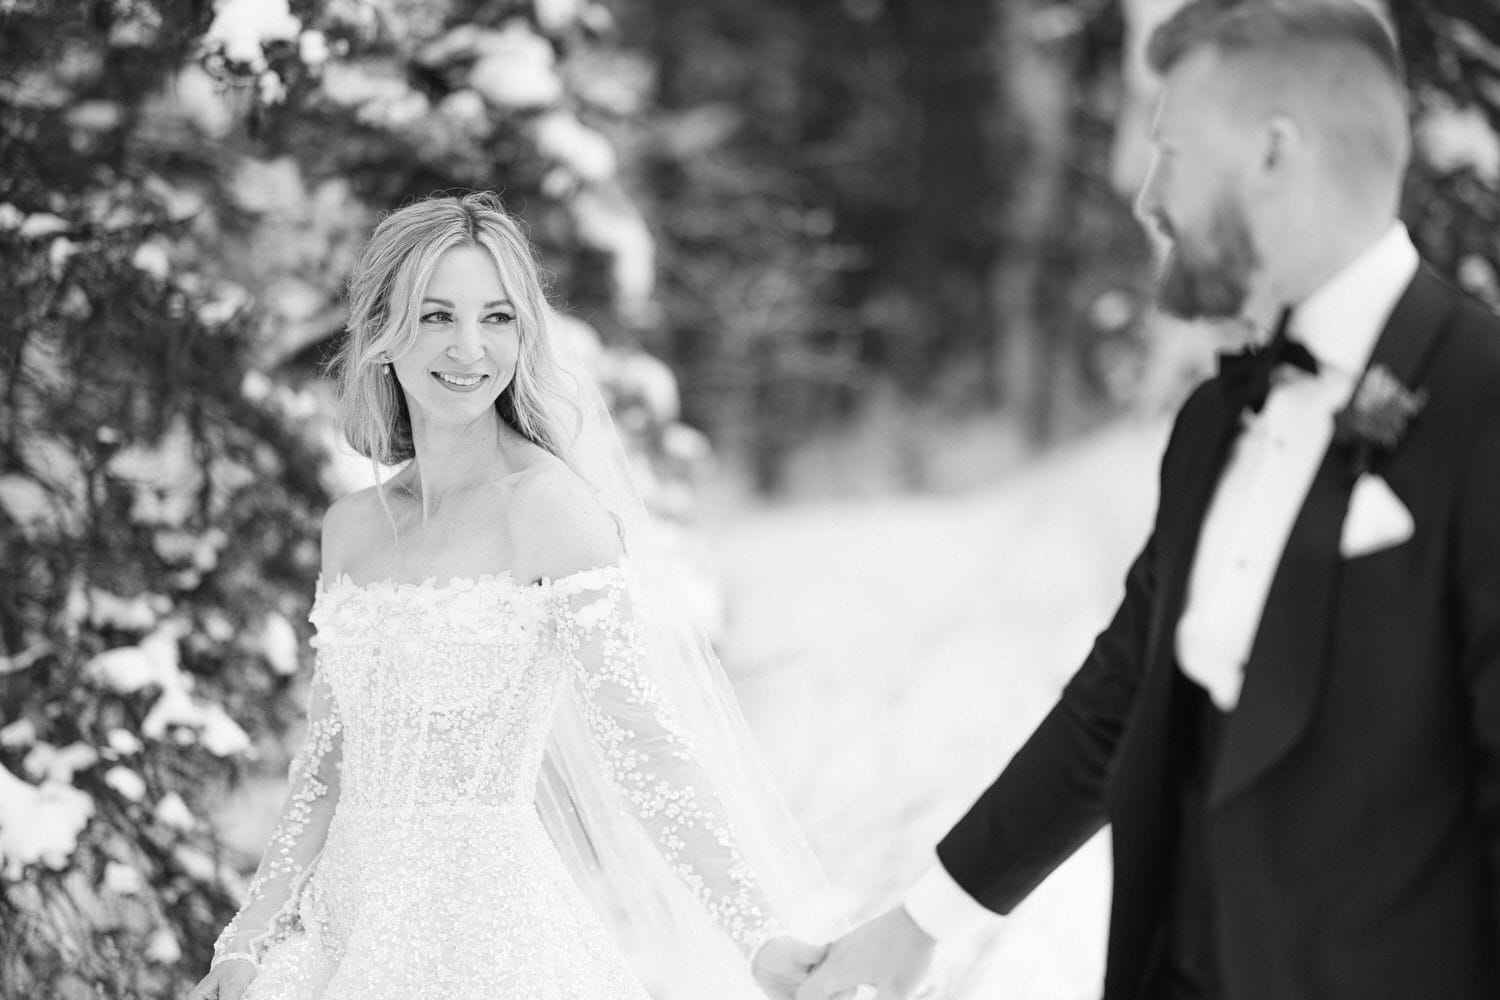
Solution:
(1211, 280)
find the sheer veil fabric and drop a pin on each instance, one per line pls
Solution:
(674, 942)
(408, 861)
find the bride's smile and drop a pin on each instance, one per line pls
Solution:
(468, 340)
(460, 381)
(473, 747)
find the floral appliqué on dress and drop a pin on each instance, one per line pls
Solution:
(409, 859)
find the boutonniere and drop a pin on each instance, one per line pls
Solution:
(1376, 418)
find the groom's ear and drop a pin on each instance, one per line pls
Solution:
(1278, 158)
(1281, 142)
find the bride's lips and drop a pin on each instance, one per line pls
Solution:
(460, 381)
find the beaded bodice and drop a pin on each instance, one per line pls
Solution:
(445, 693)
(438, 700)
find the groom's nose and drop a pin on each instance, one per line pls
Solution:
(1148, 206)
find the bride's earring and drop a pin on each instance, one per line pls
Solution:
(385, 364)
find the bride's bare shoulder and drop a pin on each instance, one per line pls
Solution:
(347, 524)
(558, 525)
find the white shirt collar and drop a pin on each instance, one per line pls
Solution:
(1342, 320)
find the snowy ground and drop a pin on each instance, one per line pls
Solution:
(893, 654)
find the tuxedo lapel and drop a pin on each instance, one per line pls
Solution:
(1142, 764)
(1144, 758)
(1201, 468)
(1285, 668)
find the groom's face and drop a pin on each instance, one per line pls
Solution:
(1193, 198)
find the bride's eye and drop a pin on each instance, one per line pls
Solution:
(500, 317)
(437, 316)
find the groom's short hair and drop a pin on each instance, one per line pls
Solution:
(1290, 28)
(1334, 63)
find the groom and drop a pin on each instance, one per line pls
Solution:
(1292, 723)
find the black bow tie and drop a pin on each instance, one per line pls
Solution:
(1247, 374)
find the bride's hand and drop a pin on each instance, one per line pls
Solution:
(783, 963)
(226, 981)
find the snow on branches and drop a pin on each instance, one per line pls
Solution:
(166, 446)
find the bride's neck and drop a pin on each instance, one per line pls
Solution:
(451, 459)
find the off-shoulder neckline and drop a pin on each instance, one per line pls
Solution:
(342, 582)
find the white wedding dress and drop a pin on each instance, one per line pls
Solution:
(409, 861)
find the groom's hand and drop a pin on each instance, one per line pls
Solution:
(782, 965)
(890, 953)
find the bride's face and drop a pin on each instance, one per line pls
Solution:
(467, 341)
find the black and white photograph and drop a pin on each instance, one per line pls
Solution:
(749, 500)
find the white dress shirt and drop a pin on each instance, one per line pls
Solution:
(1262, 489)
(1273, 462)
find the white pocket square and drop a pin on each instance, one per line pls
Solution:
(1377, 519)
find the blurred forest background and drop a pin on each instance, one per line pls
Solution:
(827, 244)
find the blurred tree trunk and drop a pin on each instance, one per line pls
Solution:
(944, 254)
(1038, 81)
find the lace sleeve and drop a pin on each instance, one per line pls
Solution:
(649, 759)
(270, 903)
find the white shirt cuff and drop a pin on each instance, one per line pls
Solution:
(942, 908)
(755, 952)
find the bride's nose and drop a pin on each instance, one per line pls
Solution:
(466, 347)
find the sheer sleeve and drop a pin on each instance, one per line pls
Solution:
(270, 903)
(648, 757)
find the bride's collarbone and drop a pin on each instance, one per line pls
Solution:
(456, 541)
(470, 533)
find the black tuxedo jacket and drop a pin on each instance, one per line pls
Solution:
(1353, 826)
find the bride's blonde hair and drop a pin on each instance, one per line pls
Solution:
(385, 293)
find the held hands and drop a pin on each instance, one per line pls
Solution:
(226, 981)
(783, 963)
(890, 953)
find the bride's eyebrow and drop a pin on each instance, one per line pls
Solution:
(444, 302)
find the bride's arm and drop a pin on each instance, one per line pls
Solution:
(269, 905)
(649, 758)
(636, 736)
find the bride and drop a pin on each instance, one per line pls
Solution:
(523, 775)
